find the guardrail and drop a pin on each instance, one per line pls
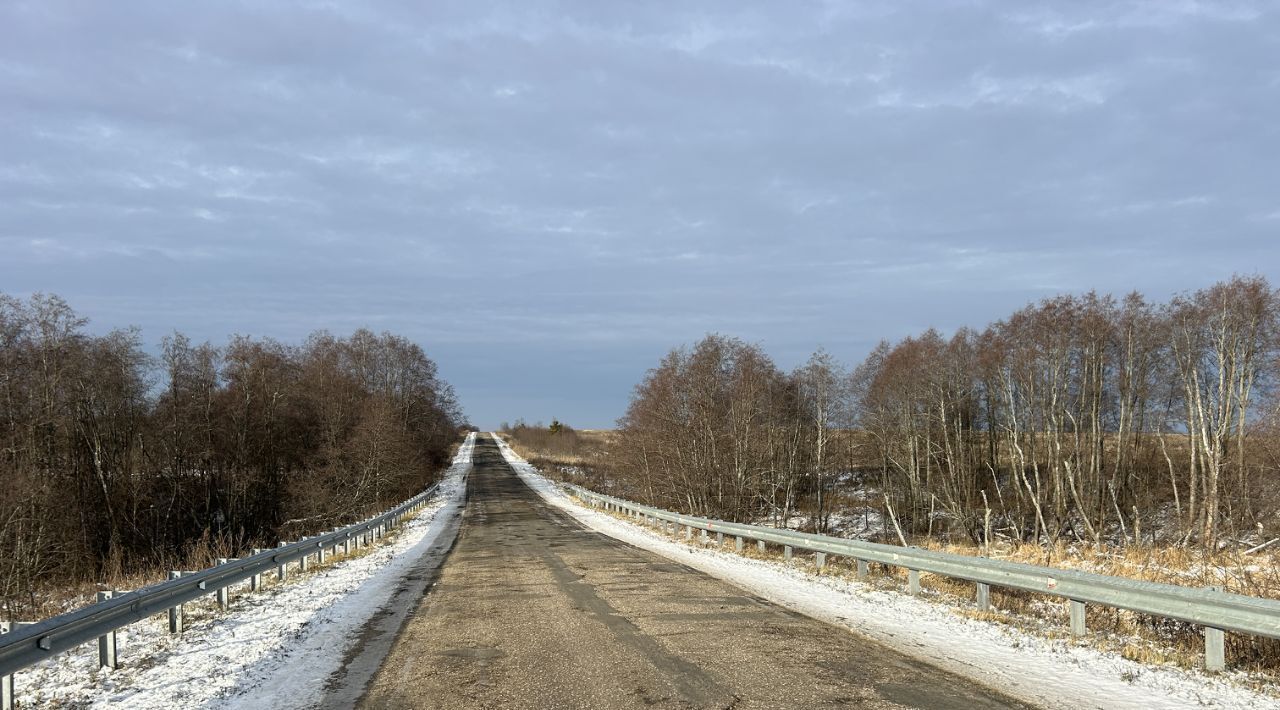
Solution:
(26, 644)
(1215, 610)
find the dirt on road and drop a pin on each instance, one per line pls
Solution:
(532, 610)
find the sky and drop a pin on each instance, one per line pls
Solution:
(548, 196)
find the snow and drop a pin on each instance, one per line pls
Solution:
(863, 524)
(273, 649)
(1041, 671)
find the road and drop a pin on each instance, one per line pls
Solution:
(532, 610)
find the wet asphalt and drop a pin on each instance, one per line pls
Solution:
(529, 609)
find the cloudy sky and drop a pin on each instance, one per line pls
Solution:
(549, 195)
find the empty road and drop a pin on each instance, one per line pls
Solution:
(532, 610)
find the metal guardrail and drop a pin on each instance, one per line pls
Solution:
(28, 644)
(1211, 608)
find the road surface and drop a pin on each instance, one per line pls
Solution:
(532, 610)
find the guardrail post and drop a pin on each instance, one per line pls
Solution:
(107, 642)
(224, 593)
(820, 559)
(984, 597)
(913, 581)
(1077, 618)
(786, 552)
(175, 612)
(864, 569)
(705, 535)
(1215, 649)
(320, 556)
(6, 682)
(255, 582)
(688, 532)
(346, 545)
(760, 545)
(737, 543)
(302, 561)
(1215, 645)
(720, 539)
(8, 693)
(282, 569)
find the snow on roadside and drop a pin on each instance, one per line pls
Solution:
(275, 648)
(1045, 672)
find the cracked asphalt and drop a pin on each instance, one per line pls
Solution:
(532, 610)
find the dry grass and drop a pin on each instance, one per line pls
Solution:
(203, 555)
(588, 447)
(1140, 636)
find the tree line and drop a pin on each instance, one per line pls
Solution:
(114, 460)
(1080, 417)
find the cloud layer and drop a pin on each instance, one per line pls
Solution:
(547, 195)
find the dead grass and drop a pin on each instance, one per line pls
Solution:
(589, 448)
(202, 556)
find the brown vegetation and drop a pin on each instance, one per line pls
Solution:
(112, 461)
(1080, 418)
(567, 453)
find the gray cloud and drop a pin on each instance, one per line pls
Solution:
(549, 194)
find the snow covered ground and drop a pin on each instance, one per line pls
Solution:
(273, 649)
(1050, 673)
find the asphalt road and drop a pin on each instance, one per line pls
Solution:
(532, 610)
